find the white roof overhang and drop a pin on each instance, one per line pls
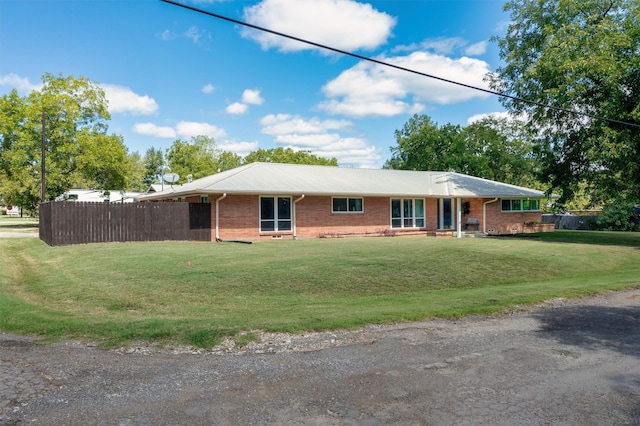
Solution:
(292, 179)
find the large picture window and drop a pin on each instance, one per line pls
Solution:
(407, 213)
(275, 214)
(520, 205)
(347, 205)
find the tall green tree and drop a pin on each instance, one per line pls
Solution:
(503, 151)
(197, 158)
(228, 160)
(77, 146)
(422, 144)
(153, 163)
(137, 171)
(491, 149)
(579, 55)
(288, 155)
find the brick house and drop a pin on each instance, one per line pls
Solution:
(272, 201)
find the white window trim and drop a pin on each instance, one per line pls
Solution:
(347, 211)
(413, 209)
(275, 214)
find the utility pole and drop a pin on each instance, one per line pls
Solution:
(43, 193)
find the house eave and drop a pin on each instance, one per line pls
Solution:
(209, 192)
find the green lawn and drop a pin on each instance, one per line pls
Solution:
(120, 292)
(18, 224)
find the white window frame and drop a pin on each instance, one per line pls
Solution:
(275, 219)
(348, 211)
(413, 217)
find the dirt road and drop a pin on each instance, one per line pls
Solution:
(565, 362)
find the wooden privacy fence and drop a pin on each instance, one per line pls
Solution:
(70, 222)
(574, 222)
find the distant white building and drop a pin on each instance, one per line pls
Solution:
(99, 196)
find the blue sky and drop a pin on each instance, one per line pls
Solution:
(170, 73)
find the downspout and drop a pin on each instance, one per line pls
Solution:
(459, 217)
(295, 237)
(218, 215)
(484, 213)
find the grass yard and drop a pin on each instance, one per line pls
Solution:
(198, 293)
(18, 224)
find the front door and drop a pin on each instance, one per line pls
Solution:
(446, 212)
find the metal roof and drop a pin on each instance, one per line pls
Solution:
(294, 179)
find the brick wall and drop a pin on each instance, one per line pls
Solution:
(239, 218)
(315, 218)
(475, 212)
(502, 223)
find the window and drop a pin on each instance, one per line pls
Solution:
(520, 205)
(275, 214)
(346, 205)
(407, 213)
(204, 199)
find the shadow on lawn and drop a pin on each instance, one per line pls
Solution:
(594, 327)
(8, 224)
(606, 238)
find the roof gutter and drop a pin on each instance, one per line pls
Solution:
(484, 213)
(295, 236)
(218, 215)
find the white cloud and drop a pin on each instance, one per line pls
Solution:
(445, 46)
(476, 49)
(502, 115)
(124, 100)
(184, 129)
(240, 148)
(343, 24)
(354, 152)
(166, 35)
(282, 124)
(193, 33)
(440, 45)
(121, 99)
(187, 129)
(151, 129)
(208, 88)
(197, 35)
(319, 136)
(252, 97)
(369, 89)
(21, 84)
(249, 97)
(237, 108)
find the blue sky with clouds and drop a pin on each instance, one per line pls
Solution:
(172, 73)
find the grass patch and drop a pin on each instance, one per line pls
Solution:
(200, 293)
(614, 238)
(18, 224)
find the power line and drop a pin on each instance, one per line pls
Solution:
(398, 67)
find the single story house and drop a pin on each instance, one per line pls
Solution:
(272, 201)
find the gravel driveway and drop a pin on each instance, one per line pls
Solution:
(569, 362)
